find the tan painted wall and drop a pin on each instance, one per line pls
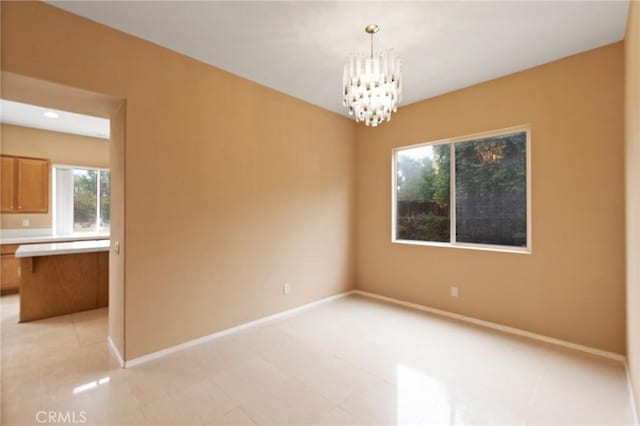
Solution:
(232, 189)
(572, 286)
(632, 137)
(60, 148)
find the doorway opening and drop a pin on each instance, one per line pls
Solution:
(63, 209)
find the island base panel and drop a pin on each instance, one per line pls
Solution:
(63, 284)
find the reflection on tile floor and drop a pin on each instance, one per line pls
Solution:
(353, 361)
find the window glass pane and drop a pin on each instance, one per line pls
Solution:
(105, 201)
(491, 190)
(422, 197)
(85, 188)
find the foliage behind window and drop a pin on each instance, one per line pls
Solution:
(423, 193)
(490, 190)
(91, 200)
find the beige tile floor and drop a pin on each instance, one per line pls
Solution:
(353, 361)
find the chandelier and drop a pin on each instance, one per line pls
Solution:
(371, 85)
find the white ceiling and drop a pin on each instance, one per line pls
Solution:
(67, 122)
(299, 47)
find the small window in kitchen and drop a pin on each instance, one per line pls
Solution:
(82, 199)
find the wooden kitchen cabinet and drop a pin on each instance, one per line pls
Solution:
(8, 183)
(25, 185)
(10, 270)
(33, 185)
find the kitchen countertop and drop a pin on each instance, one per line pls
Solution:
(81, 236)
(54, 249)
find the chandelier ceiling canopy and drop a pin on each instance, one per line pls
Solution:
(371, 84)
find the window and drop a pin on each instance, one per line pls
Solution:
(82, 199)
(468, 192)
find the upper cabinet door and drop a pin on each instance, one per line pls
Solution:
(8, 184)
(33, 185)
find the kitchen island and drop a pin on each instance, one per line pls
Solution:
(11, 239)
(62, 278)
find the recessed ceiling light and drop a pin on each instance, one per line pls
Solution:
(51, 114)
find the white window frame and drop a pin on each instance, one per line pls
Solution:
(53, 189)
(452, 203)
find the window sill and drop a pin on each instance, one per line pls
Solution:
(481, 247)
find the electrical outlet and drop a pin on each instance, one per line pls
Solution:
(286, 289)
(26, 223)
(454, 291)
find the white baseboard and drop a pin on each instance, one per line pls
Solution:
(199, 340)
(115, 351)
(503, 328)
(634, 408)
